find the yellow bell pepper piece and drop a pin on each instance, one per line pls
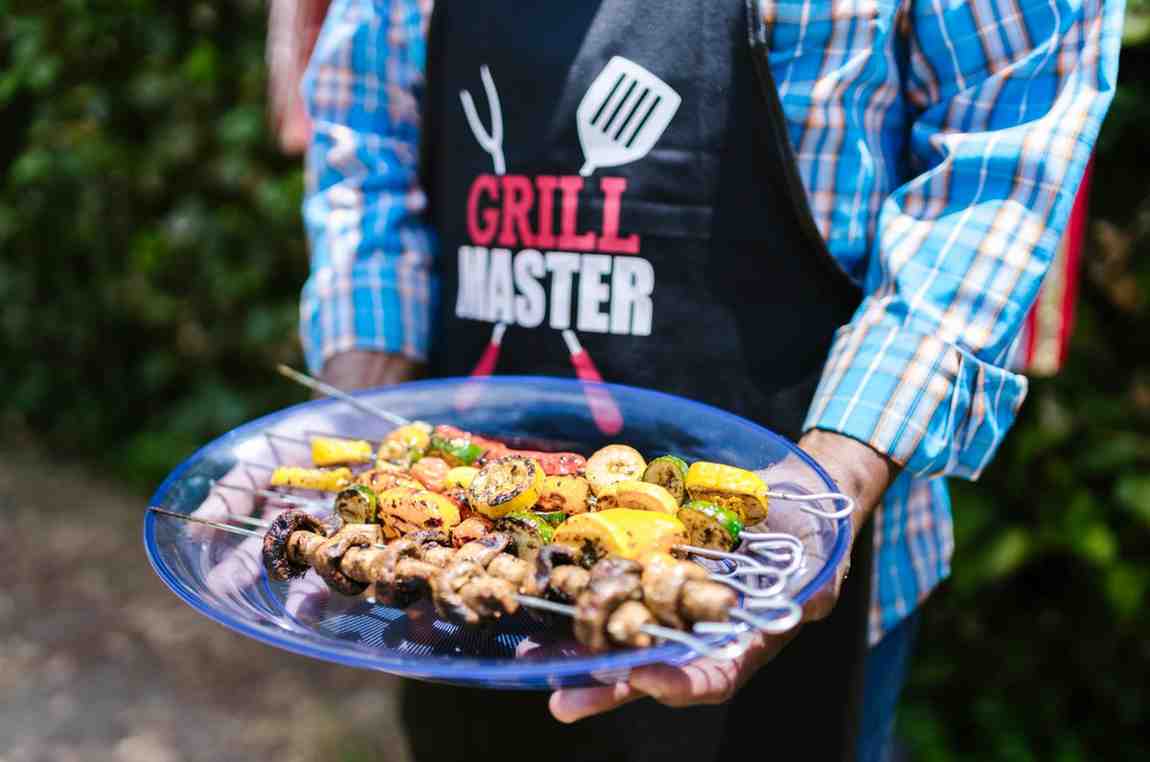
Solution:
(735, 488)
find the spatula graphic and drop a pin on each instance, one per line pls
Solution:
(623, 114)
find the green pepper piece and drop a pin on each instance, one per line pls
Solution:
(553, 518)
(669, 472)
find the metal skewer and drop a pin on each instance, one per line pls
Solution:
(206, 522)
(726, 578)
(331, 391)
(327, 389)
(657, 631)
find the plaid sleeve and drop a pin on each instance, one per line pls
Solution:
(371, 285)
(1008, 98)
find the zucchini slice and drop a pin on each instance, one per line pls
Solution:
(506, 485)
(528, 532)
(670, 473)
(711, 526)
(356, 505)
(612, 464)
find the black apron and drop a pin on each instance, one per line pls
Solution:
(615, 196)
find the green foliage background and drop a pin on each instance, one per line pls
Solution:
(151, 254)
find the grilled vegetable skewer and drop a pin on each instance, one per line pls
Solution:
(412, 567)
(480, 581)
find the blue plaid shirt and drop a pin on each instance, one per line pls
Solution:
(940, 143)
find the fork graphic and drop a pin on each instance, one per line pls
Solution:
(493, 142)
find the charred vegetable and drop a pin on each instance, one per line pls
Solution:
(505, 486)
(528, 533)
(734, 488)
(621, 532)
(642, 496)
(612, 464)
(711, 526)
(406, 444)
(329, 451)
(403, 510)
(323, 479)
(670, 473)
(386, 476)
(568, 494)
(356, 505)
(459, 451)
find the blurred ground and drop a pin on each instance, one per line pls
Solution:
(99, 661)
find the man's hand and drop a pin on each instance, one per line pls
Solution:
(357, 369)
(860, 472)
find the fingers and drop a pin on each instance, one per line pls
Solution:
(705, 681)
(572, 704)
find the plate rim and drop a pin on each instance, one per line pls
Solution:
(552, 671)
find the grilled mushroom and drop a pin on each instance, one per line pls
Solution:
(625, 625)
(484, 549)
(279, 565)
(446, 586)
(595, 604)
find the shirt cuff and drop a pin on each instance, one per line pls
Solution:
(361, 310)
(928, 404)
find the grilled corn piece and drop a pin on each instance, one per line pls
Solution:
(329, 451)
(322, 479)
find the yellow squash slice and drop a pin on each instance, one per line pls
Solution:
(622, 532)
(506, 485)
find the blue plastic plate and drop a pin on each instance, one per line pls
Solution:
(219, 574)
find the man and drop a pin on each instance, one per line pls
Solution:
(737, 202)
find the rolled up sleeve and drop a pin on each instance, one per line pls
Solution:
(372, 283)
(1009, 96)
